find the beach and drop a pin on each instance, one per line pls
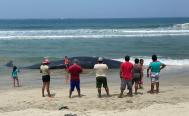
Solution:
(27, 100)
(26, 42)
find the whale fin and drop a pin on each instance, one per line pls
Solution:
(9, 64)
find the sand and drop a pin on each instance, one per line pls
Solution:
(172, 100)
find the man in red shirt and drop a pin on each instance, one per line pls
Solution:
(126, 75)
(74, 71)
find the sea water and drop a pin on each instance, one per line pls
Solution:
(27, 41)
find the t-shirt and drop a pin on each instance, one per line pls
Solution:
(44, 69)
(75, 70)
(137, 69)
(155, 66)
(15, 73)
(127, 69)
(100, 69)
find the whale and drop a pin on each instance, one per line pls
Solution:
(85, 62)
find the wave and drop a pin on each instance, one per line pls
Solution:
(184, 26)
(167, 61)
(89, 33)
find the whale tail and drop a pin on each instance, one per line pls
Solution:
(9, 64)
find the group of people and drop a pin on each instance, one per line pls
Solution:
(133, 74)
(130, 75)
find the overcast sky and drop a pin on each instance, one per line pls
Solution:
(93, 8)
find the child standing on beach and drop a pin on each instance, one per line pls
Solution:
(15, 76)
(142, 74)
(155, 67)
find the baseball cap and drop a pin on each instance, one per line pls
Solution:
(100, 59)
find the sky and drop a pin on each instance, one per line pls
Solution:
(23, 9)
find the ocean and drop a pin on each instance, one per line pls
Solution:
(27, 41)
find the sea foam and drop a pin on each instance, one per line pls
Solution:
(167, 61)
(89, 33)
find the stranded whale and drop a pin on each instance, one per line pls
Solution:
(84, 62)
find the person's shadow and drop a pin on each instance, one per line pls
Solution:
(76, 96)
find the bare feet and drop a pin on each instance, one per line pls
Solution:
(99, 96)
(49, 95)
(120, 96)
(151, 92)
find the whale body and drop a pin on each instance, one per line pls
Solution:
(84, 61)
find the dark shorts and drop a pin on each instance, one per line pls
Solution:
(136, 80)
(46, 78)
(73, 84)
(101, 81)
(14, 77)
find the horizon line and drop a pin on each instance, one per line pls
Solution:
(87, 18)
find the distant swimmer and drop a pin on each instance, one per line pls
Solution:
(101, 70)
(15, 76)
(75, 71)
(153, 72)
(44, 69)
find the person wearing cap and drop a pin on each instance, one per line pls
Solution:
(155, 67)
(44, 69)
(101, 70)
(126, 75)
(75, 71)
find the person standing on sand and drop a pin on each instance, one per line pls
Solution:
(126, 75)
(142, 74)
(137, 72)
(44, 69)
(155, 67)
(15, 76)
(101, 70)
(67, 64)
(75, 71)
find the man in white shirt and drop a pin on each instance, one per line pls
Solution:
(101, 70)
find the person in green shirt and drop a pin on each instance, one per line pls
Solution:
(15, 72)
(154, 69)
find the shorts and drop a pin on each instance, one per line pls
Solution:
(73, 84)
(154, 77)
(136, 80)
(101, 81)
(14, 77)
(46, 78)
(125, 83)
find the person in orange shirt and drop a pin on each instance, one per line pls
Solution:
(67, 64)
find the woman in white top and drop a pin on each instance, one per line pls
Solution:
(44, 69)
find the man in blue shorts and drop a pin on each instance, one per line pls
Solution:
(155, 68)
(75, 71)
